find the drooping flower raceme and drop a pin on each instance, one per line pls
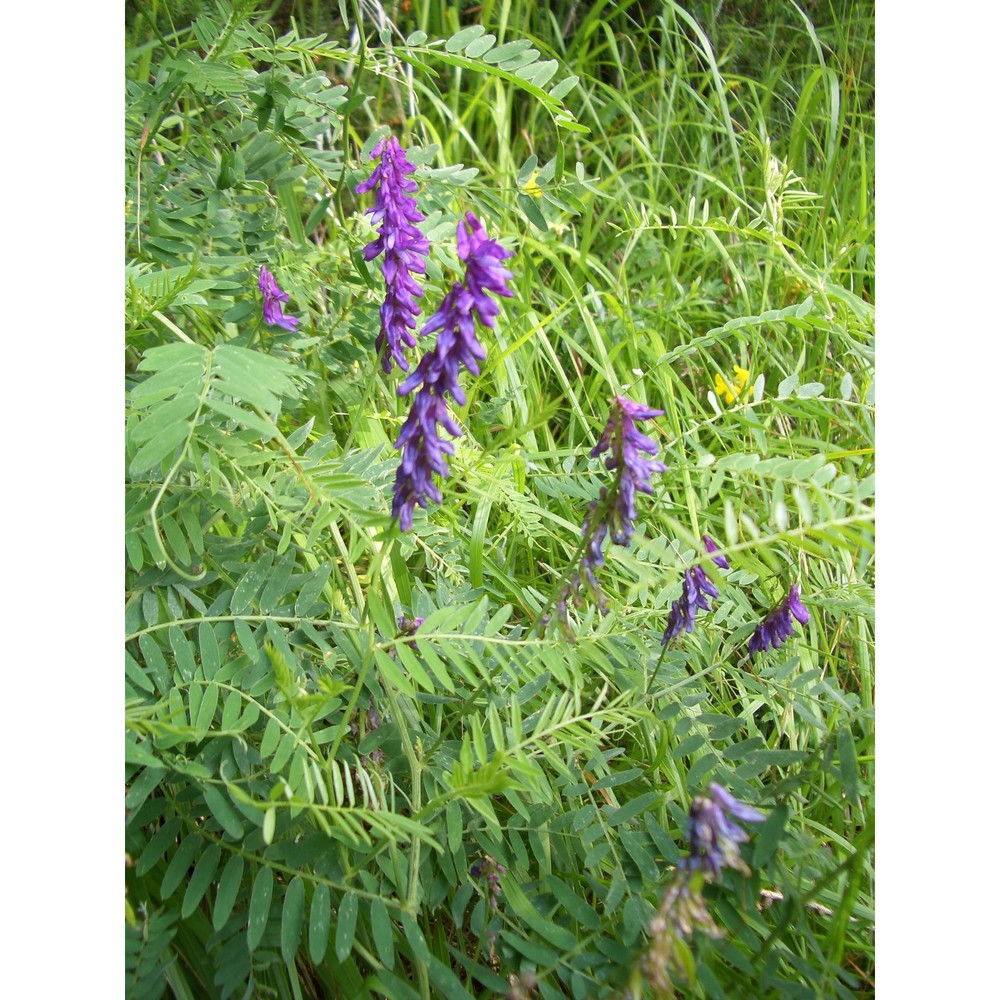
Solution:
(273, 297)
(614, 510)
(715, 839)
(626, 443)
(715, 844)
(695, 593)
(437, 373)
(396, 215)
(777, 624)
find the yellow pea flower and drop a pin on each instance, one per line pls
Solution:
(531, 186)
(728, 392)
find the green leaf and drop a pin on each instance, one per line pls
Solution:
(229, 887)
(347, 918)
(415, 937)
(632, 808)
(848, 763)
(206, 710)
(787, 386)
(179, 865)
(561, 89)
(142, 785)
(272, 733)
(462, 38)
(292, 912)
(157, 845)
(267, 827)
(480, 46)
(319, 923)
(166, 442)
(183, 652)
(260, 906)
(231, 709)
(209, 648)
(201, 879)
(223, 811)
(382, 933)
(311, 588)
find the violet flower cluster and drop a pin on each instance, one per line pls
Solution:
(626, 443)
(777, 624)
(695, 593)
(273, 298)
(614, 510)
(437, 373)
(715, 844)
(492, 869)
(715, 839)
(405, 247)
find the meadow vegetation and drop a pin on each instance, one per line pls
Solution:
(458, 759)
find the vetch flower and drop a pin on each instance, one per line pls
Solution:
(715, 844)
(729, 391)
(405, 247)
(715, 839)
(273, 297)
(614, 510)
(696, 590)
(777, 624)
(626, 443)
(710, 547)
(492, 869)
(437, 373)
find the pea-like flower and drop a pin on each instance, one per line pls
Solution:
(626, 444)
(710, 547)
(777, 624)
(731, 390)
(273, 297)
(405, 247)
(437, 373)
(614, 510)
(715, 839)
(696, 592)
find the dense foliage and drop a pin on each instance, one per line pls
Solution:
(499, 752)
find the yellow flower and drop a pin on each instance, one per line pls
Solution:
(729, 392)
(531, 186)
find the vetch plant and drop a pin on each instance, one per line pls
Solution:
(273, 298)
(715, 844)
(614, 510)
(437, 373)
(695, 593)
(777, 625)
(404, 247)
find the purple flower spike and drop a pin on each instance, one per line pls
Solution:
(777, 624)
(405, 247)
(710, 547)
(614, 510)
(695, 593)
(713, 836)
(625, 443)
(438, 370)
(273, 297)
